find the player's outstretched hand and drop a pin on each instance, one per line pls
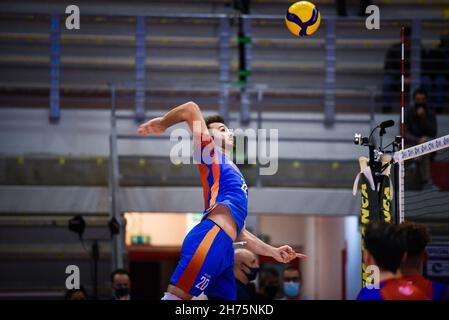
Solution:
(285, 254)
(154, 126)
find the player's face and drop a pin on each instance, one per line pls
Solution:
(223, 137)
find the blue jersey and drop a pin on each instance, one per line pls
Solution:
(222, 181)
(207, 254)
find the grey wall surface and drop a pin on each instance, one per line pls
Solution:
(93, 200)
(86, 133)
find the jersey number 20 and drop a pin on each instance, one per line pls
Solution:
(202, 285)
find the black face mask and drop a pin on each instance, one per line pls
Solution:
(122, 292)
(271, 291)
(252, 273)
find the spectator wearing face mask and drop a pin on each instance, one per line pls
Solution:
(246, 268)
(292, 284)
(420, 127)
(268, 284)
(121, 285)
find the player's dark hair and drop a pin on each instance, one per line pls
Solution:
(214, 118)
(417, 237)
(386, 243)
(119, 271)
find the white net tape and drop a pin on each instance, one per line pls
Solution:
(422, 149)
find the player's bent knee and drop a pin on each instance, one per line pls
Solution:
(170, 296)
(177, 292)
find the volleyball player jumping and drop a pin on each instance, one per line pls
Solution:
(207, 255)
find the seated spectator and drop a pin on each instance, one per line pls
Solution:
(292, 284)
(417, 237)
(76, 294)
(420, 127)
(121, 285)
(385, 247)
(246, 268)
(268, 284)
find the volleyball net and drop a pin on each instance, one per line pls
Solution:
(423, 185)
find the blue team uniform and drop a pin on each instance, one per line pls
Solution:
(207, 254)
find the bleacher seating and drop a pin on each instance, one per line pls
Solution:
(103, 51)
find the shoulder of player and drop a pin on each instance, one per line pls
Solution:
(402, 289)
(414, 278)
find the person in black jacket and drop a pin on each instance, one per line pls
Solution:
(420, 127)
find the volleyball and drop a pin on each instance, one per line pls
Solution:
(302, 18)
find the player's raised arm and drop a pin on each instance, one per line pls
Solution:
(283, 254)
(189, 112)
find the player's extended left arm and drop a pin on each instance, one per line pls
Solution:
(282, 254)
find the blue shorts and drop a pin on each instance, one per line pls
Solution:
(207, 263)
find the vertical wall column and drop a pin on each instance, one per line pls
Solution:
(225, 66)
(140, 69)
(117, 240)
(245, 70)
(329, 81)
(55, 61)
(353, 270)
(311, 265)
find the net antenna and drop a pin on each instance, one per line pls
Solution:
(401, 168)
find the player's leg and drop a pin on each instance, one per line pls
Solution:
(175, 293)
(200, 261)
(223, 286)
